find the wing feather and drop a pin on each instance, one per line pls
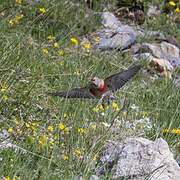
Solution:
(74, 93)
(116, 81)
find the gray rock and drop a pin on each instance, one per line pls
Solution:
(94, 177)
(120, 40)
(139, 158)
(110, 21)
(169, 49)
(175, 61)
(117, 36)
(4, 134)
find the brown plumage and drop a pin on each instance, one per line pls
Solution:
(98, 87)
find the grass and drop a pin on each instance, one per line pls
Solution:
(57, 138)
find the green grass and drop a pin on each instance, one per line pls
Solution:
(28, 74)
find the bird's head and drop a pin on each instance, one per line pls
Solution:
(96, 82)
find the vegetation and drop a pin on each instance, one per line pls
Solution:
(40, 52)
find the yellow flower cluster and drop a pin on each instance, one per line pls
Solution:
(173, 131)
(80, 130)
(172, 3)
(55, 44)
(16, 19)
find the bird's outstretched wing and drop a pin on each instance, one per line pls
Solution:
(74, 93)
(116, 81)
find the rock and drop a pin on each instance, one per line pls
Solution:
(158, 50)
(117, 36)
(170, 49)
(4, 134)
(5, 142)
(162, 66)
(175, 61)
(153, 10)
(140, 158)
(120, 40)
(170, 39)
(94, 177)
(110, 21)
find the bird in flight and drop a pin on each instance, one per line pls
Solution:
(100, 88)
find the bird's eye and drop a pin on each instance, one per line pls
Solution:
(92, 79)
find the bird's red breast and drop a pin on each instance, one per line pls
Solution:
(102, 87)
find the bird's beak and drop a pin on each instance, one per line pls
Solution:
(89, 81)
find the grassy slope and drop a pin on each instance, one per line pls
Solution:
(29, 73)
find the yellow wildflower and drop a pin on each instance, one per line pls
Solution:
(114, 105)
(19, 1)
(16, 121)
(27, 125)
(124, 113)
(78, 152)
(96, 39)
(8, 178)
(10, 130)
(117, 109)
(43, 140)
(87, 45)
(144, 113)
(65, 157)
(66, 128)
(118, 13)
(65, 115)
(56, 44)
(50, 37)
(11, 21)
(81, 130)
(88, 50)
(94, 158)
(177, 10)
(76, 73)
(61, 126)
(172, 3)
(61, 63)
(60, 53)
(165, 130)
(45, 51)
(101, 107)
(178, 131)
(95, 109)
(74, 41)
(173, 131)
(34, 134)
(3, 90)
(30, 43)
(42, 10)
(55, 137)
(5, 98)
(51, 143)
(93, 127)
(50, 128)
(107, 107)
